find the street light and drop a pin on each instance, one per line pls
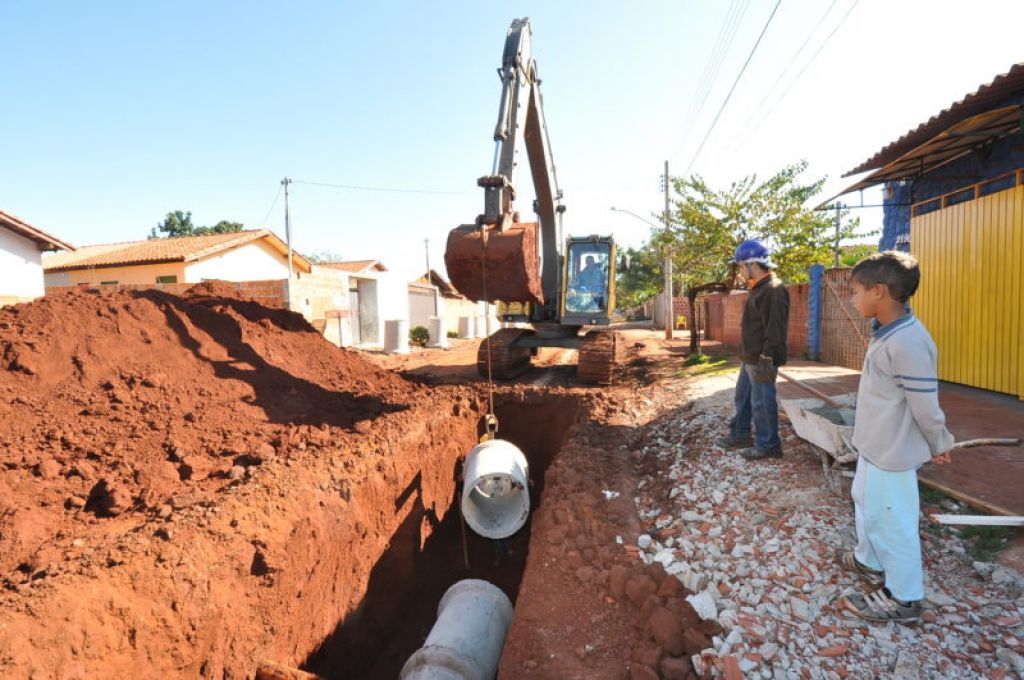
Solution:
(667, 292)
(630, 212)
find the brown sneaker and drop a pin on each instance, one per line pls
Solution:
(848, 561)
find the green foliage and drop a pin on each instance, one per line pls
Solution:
(698, 358)
(642, 281)
(707, 224)
(854, 253)
(324, 255)
(179, 223)
(985, 542)
(419, 335)
(453, 334)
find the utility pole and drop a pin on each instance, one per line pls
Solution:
(288, 237)
(669, 307)
(835, 250)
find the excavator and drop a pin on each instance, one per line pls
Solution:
(550, 287)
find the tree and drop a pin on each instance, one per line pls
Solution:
(641, 281)
(855, 252)
(706, 225)
(179, 223)
(324, 255)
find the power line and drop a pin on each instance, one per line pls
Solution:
(263, 222)
(785, 71)
(733, 88)
(725, 37)
(395, 190)
(722, 45)
(806, 66)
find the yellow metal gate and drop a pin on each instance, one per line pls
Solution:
(972, 285)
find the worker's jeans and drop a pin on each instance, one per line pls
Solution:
(756, 401)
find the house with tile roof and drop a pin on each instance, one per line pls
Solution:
(21, 248)
(250, 255)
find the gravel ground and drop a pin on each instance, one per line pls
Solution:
(755, 543)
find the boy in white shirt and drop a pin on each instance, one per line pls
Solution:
(899, 427)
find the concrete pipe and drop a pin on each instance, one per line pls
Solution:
(467, 638)
(396, 336)
(495, 489)
(438, 332)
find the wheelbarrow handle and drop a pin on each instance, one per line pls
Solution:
(971, 443)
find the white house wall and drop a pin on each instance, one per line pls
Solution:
(21, 267)
(255, 261)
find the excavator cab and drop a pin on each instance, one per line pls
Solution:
(588, 289)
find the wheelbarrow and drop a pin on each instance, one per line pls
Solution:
(828, 428)
(826, 423)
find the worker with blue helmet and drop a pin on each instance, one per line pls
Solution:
(763, 330)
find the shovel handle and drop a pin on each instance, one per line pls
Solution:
(807, 388)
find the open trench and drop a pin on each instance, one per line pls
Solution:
(428, 552)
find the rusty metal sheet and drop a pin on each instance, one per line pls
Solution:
(511, 256)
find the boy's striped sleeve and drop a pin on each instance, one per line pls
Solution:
(913, 366)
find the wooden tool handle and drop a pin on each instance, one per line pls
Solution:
(971, 443)
(804, 386)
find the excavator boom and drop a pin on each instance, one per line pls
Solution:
(508, 253)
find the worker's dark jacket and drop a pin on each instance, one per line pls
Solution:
(765, 322)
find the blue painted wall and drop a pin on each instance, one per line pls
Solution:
(1005, 155)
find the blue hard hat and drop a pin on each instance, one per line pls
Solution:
(754, 250)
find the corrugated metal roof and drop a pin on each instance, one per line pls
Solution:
(153, 251)
(981, 100)
(20, 226)
(959, 140)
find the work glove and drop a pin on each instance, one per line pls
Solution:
(764, 370)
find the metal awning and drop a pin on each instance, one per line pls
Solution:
(954, 142)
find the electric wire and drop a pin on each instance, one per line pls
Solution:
(396, 190)
(785, 71)
(804, 69)
(723, 44)
(721, 48)
(733, 88)
(266, 217)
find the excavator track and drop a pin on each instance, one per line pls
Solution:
(506, 361)
(602, 354)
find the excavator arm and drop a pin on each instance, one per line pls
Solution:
(497, 257)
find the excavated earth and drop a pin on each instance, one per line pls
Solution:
(192, 485)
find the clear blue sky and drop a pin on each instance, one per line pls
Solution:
(117, 112)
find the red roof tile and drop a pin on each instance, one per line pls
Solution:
(152, 251)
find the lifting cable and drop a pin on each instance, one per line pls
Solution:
(490, 420)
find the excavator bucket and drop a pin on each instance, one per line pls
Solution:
(495, 265)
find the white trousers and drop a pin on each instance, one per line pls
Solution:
(886, 511)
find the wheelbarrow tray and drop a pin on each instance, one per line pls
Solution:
(831, 437)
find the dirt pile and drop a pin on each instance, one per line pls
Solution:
(123, 402)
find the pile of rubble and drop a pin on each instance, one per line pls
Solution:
(755, 543)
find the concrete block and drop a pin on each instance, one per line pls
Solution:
(467, 327)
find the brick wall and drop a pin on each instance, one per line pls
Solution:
(843, 333)
(714, 316)
(724, 313)
(796, 337)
